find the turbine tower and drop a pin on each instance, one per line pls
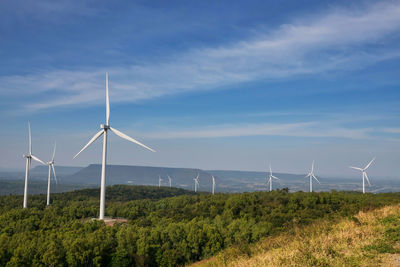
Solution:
(196, 182)
(270, 178)
(170, 181)
(213, 184)
(29, 158)
(311, 175)
(104, 131)
(364, 174)
(51, 167)
(159, 181)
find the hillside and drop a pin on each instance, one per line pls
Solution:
(369, 238)
(165, 226)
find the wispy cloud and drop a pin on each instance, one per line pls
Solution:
(300, 129)
(392, 130)
(338, 40)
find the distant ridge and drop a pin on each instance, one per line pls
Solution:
(140, 175)
(60, 170)
(226, 180)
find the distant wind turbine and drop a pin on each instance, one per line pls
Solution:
(159, 181)
(196, 182)
(311, 175)
(270, 178)
(364, 173)
(170, 181)
(29, 158)
(104, 130)
(213, 184)
(51, 167)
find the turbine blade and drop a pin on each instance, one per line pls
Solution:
(270, 169)
(356, 168)
(54, 152)
(275, 177)
(316, 179)
(94, 138)
(54, 172)
(107, 102)
(312, 167)
(122, 135)
(197, 177)
(38, 160)
(366, 176)
(366, 167)
(29, 138)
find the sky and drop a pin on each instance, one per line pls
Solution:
(232, 85)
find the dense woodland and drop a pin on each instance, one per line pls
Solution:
(166, 227)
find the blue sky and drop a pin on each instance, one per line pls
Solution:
(227, 85)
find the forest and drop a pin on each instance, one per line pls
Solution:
(166, 226)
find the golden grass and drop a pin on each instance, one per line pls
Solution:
(349, 242)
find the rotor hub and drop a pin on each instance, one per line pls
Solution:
(105, 127)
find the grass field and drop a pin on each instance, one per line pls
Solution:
(370, 238)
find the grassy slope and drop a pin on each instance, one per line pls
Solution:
(368, 239)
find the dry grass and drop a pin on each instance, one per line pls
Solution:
(357, 241)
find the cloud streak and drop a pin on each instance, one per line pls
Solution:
(299, 129)
(333, 41)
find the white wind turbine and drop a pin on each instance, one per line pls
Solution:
(271, 176)
(196, 182)
(170, 181)
(29, 158)
(103, 131)
(159, 181)
(311, 175)
(51, 167)
(213, 184)
(364, 173)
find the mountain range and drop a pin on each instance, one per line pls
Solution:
(226, 180)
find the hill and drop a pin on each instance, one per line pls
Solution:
(165, 227)
(60, 170)
(369, 238)
(226, 180)
(141, 175)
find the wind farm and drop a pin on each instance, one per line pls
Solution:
(256, 133)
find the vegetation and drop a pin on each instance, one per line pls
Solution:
(10, 186)
(369, 238)
(167, 226)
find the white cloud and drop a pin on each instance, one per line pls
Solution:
(300, 129)
(392, 130)
(329, 42)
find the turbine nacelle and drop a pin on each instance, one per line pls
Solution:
(105, 127)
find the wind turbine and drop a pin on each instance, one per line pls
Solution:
(51, 167)
(213, 184)
(364, 173)
(270, 178)
(29, 158)
(103, 131)
(196, 182)
(170, 181)
(311, 175)
(159, 181)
